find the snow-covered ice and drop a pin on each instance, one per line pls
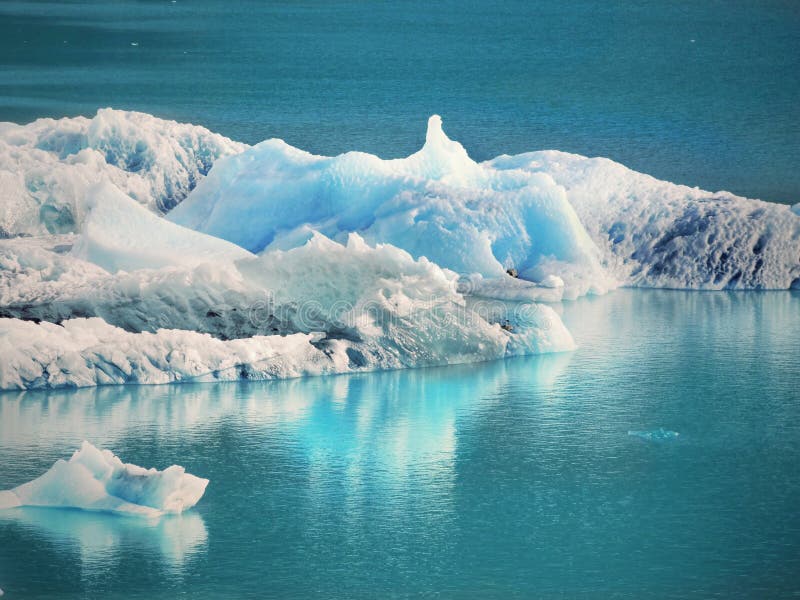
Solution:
(96, 480)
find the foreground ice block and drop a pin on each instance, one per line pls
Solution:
(96, 480)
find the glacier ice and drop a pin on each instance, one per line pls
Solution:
(278, 263)
(120, 235)
(47, 166)
(437, 203)
(338, 307)
(96, 480)
(590, 222)
(658, 234)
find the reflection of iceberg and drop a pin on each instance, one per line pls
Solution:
(96, 480)
(99, 537)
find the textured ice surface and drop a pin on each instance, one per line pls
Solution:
(361, 263)
(437, 203)
(658, 234)
(96, 480)
(47, 166)
(337, 308)
(589, 222)
(344, 307)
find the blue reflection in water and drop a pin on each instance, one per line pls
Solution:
(512, 478)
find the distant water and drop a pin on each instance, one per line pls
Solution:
(700, 92)
(509, 479)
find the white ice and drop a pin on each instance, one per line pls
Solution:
(96, 480)
(279, 263)
(437, 203)
(47, 166)
(339, 307)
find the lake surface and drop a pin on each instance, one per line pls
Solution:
(701, 92)
(515, 478)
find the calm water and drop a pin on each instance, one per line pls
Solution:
(703, 92)
(508, 479)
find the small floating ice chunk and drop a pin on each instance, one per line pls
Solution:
(96, 480)
(796, 209)
(659, 434)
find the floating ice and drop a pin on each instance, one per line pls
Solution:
(96, 480)
(345, 307)
(437, 203)
(46, 167)
(658, 234)
(658, 435)
(589, 222)
(363, 263)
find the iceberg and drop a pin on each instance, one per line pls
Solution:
(437, 203)
(658, 234)
(96, 480)
(590, 222)
(46, 167)
(139, 250)
(324, 307)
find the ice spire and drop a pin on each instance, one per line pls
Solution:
(442, 157)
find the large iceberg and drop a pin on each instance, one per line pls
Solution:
(277, 263)
(590, 222)
(325, 307)
(97, 480)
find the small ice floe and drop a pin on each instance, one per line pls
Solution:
(655, 435)
(96, 480)
(134, 43)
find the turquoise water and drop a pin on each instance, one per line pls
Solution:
(509, 479)
(702, 92)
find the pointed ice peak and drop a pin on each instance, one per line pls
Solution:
(435, 132)
(441, 157)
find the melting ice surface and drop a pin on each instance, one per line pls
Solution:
(277, 263)
(96, 480)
